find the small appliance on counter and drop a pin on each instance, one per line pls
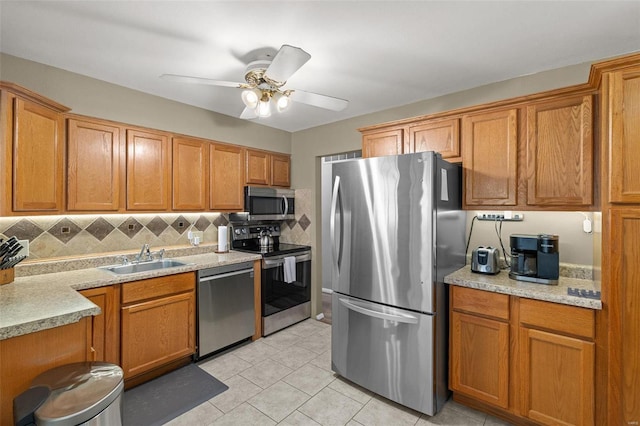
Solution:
(535, 258)
(484, 260)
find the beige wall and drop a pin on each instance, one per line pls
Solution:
(101, 99)
(96, 98)
(308, 145)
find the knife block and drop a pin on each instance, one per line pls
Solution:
(7, 276)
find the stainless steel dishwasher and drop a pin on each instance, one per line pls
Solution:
(226, 313)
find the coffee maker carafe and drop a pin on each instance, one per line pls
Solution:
(535, 258)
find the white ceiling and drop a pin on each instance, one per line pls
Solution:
(377, 55)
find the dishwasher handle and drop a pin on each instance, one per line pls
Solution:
(228, 274)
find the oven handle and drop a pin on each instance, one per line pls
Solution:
(272, 263)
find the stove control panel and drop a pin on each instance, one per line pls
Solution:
(248, 232)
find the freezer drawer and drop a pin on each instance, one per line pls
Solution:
(386, 350)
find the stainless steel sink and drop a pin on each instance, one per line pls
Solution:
(143, 266)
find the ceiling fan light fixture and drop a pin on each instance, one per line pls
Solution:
(282, 101)
(251, 97)
(264, 108)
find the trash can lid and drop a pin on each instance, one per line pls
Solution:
(79, 392)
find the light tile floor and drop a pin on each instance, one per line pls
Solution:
(286, 379)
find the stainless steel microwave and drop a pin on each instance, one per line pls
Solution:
(261, 203)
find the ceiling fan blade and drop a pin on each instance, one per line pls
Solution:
(321, 101)
(287, 61)
(248, 114)
(198, 80)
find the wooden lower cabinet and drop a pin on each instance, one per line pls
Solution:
(533, 363)
(22, 358)
(105, 337)
(158, 322)
(557, 378)
(480, 358)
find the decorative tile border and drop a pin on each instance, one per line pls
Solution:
(79, 235)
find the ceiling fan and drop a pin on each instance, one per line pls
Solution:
(264, 81)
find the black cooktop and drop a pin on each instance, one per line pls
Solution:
(278, 250)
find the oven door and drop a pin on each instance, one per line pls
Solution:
(279, 295)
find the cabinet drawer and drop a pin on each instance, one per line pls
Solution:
(561, 318)
(157, 287)
(480, 302)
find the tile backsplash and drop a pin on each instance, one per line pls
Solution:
(77, 235)
(298, 230)
(80, 235)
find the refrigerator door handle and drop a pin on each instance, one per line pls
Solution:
(357, 306)
(336, 252)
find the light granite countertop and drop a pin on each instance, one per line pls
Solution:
(47, 300)
(501, 283)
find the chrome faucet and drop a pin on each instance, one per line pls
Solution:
(144, 252)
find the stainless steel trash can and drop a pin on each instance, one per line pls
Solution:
(85, 393)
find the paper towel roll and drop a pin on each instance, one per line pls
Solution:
(222, 238)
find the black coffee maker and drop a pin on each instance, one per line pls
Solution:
(535, 258)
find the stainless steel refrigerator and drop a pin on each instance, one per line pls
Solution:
(396, 228)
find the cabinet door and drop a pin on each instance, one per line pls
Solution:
(148, 171)
(441, 136)
(560, 153)
(105, 339)
(93, 166)
(157, 332)
(490, 158)
(389, 142)
(480, 358)
(23, 358)
(557, 378)
(624, 136)
(38, 158)
(190, 174)
(280, 170)
(258, 167)
(624, 317)
(226, 191)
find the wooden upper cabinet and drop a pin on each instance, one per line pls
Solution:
(38, 158)
(226, 173)
(94, 157)
(387, 142)
(258, 167)
(190, 174)
(280, 170)
(441, 136)
(148, 170)
(559, 152)
(624, 135)
(490, 142)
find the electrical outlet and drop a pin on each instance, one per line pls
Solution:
(25, 248)
(506, 216)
